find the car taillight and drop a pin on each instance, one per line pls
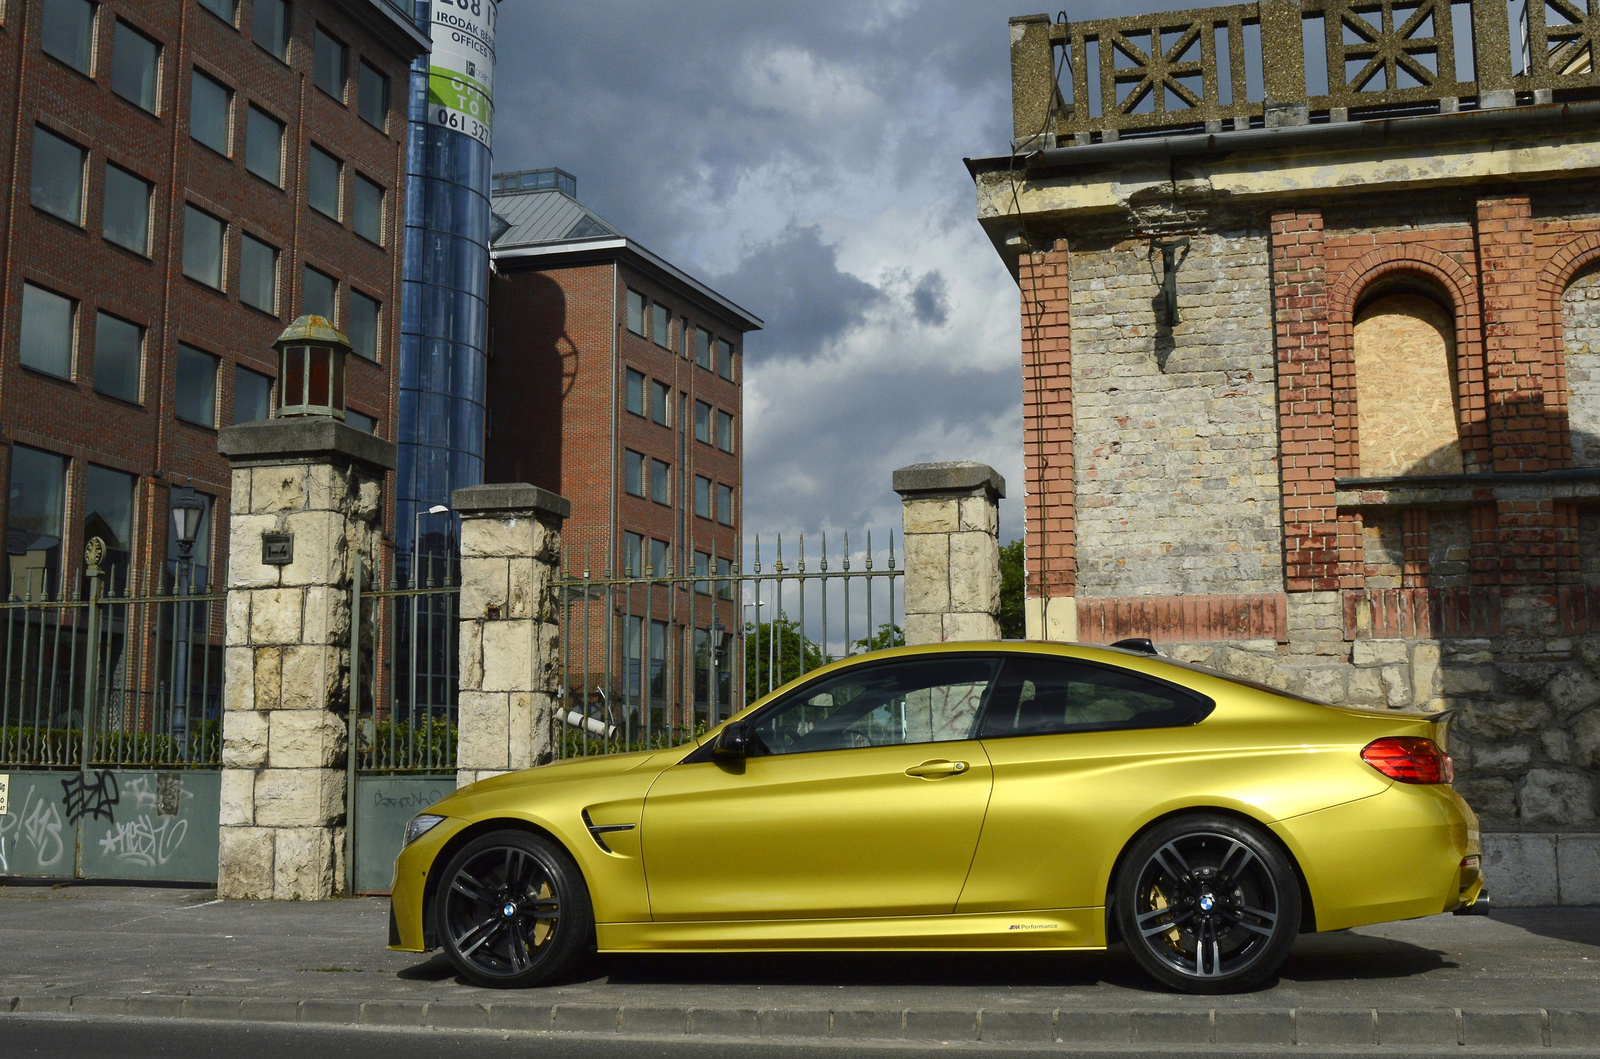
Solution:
(1409, 759)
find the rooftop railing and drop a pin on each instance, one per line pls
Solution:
(1293, 62)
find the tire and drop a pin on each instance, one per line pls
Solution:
(512, 911)
(1207, 904)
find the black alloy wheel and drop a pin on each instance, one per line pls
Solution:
(512, 910)
(1207, 904)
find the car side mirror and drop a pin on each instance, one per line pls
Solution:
(733, 742)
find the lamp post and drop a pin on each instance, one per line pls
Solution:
(188, 511)
(416, 604)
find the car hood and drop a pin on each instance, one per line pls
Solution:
(574, 769)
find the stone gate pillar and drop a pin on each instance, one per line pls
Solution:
(510, 671)
(951, 518)
(307, 496)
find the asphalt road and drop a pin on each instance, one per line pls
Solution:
(47, 1037)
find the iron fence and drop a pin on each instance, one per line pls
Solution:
(403, 664)
(649, 660)
(101, 677)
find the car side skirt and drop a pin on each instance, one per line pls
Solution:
(1055, 928)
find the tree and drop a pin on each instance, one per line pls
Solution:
(1012, 626)
(781, 642)
(887, 636)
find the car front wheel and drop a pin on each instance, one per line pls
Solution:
(1207, 904)
(512, 911)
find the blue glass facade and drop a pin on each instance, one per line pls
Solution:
(444, 320)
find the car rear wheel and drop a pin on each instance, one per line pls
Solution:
(512, 910)
(1207, 904)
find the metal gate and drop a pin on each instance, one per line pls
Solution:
(650, 660)
(111, 729)
(403, 663)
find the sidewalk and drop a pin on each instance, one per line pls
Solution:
(1520, 979)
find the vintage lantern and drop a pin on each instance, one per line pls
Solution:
(311, 357)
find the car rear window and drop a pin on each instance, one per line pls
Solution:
(1039, 696)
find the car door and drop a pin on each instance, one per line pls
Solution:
(863, 795)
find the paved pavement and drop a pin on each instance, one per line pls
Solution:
(1518, 979)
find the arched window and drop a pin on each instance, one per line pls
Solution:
(1405, 395)
(1580, 327)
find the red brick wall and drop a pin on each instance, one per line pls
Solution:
(145, 438)
(1051, 542)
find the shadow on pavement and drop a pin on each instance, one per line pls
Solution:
(434, 969)
(1580, 925)
(1356, 957)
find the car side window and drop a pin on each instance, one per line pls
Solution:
(1038, 696)
(896, 703)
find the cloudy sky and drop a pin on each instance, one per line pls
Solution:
(805, 159)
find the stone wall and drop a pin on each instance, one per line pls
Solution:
(951, 520)
(1580, 321)
(1175, 428)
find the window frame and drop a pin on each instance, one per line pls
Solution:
(90, 44)
(725, 510)
(117, 49)
(139, 359)
(661, 474)
(703, 486)
(1202, 704)
(312, 158)
(660, 325)
(660, 403)
(318, 35)
(634, 468)
(250, 139)
(724, 359)
(222, 248)
(149, 198)
(245, 239)
(634, 310)
(361, 182)
(281, 55)
(363, 67)
(226, 150)
(216, 368)
(356, 298)
(306, 270)
(77, 220)
(702, 421)
(240, 370)
(724, 420)
(634, 386)
(233, 6)
(74, 326)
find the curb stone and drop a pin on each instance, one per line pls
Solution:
(1523, 1029)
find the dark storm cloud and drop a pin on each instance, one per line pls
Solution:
(930, 301)
(804, 298)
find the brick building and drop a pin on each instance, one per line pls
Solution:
(183, 179)
(615, 380)
(1309, 375)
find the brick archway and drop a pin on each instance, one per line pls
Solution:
(1456, 284)
(1556, 276)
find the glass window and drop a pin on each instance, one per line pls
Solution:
(48, 324)
(725, 359)
(33, 521)
(634, 392)
(210, 112)
(725, 504)
(108, 514)
(372, 96)
(702, 566)
(661, 558)
(68, 32)
(202, 247)
(661, 403)
(197, 386)
(263, 146)
(252, 395)
(724, 588)
(258, 274)
(322, 191)
(223, 9)
(660, 482)
(135, 60)
(1037, 696)
(632, 554)
(661, 324)
(724, 432)
(271, 28)
(363, 329)
(118, 357)
(127, 210)
(328, 64)
(633, 472)
(364, 423)
(636, 312)
(366, 209)
(58, 175)
(922, 701)
(702, 422)
(702, 350)
(321, 295)
(702, 496)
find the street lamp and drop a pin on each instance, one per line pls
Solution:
(188, 513)
(416, 537)
(311, 360)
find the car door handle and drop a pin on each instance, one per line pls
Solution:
(932, 770)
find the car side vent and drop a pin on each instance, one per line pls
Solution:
(1141, 644)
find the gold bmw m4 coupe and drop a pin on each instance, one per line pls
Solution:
(995, 796)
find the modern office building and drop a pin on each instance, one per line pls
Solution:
(446, 274)
(615, 380)
(183, 179)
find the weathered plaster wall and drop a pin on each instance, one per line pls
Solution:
(1176, 429)
(1580, 326)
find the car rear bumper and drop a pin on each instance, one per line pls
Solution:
(1401, 854)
